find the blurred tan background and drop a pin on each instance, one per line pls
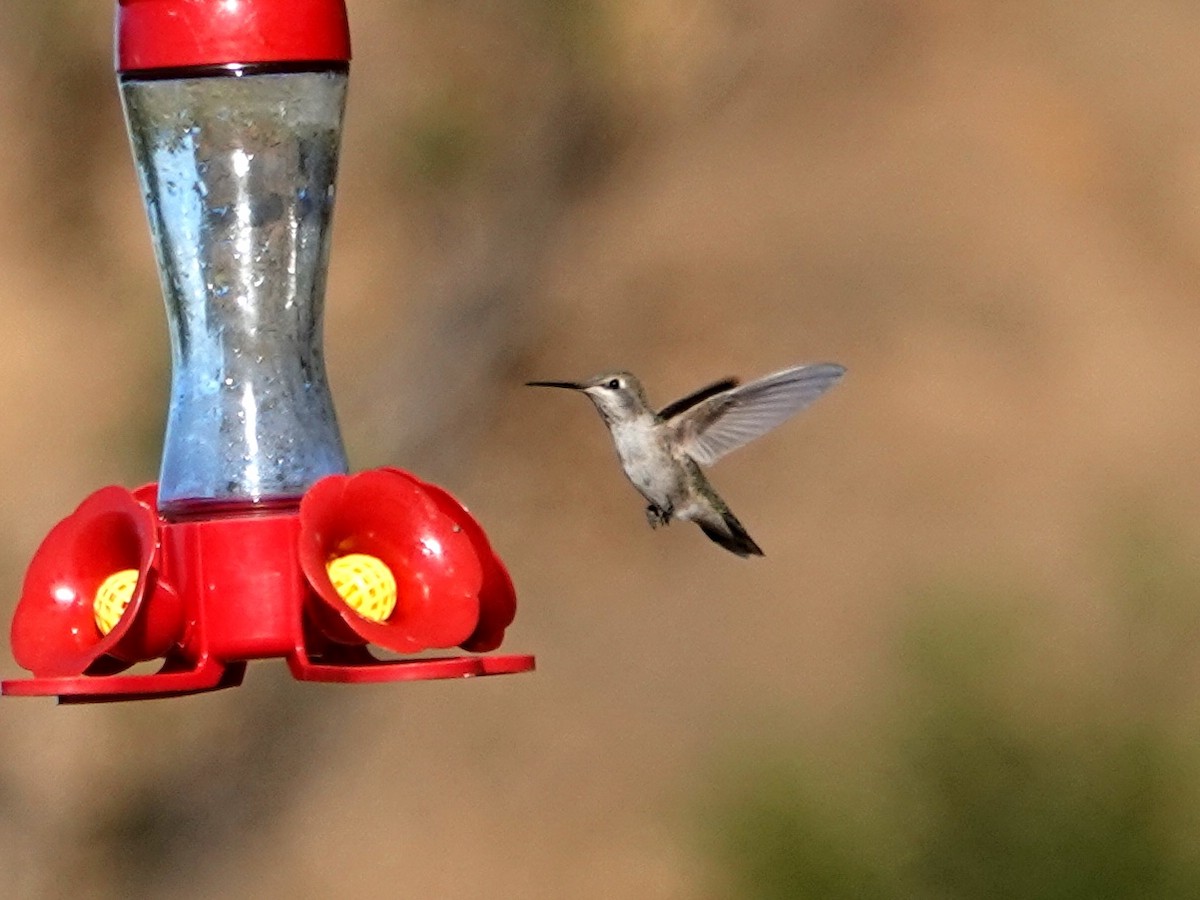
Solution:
(965, 667)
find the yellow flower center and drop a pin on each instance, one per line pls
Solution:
(112, 597)
(365, 583)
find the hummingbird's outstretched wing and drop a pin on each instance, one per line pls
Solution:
(720, 423)
(671, 410)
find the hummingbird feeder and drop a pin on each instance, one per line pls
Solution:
(256, 542)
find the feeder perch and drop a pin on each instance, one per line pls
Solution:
(255, 543)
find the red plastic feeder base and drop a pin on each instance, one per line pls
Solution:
(426, 669)
(212, 594)
(170, 681)
(210, 675)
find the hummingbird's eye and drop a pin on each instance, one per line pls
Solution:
(614, 385)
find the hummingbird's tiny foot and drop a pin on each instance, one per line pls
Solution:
(656, 515)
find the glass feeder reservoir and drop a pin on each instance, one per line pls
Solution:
(237, 167)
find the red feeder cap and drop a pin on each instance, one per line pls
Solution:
(169, 34)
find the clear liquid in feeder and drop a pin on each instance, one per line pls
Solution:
(237, 174)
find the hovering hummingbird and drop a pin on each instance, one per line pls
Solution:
(662, 452)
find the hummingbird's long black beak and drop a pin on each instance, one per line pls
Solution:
(569, 385)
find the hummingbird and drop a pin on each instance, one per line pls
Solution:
(662, 452)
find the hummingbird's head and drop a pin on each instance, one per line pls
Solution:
(617, 395)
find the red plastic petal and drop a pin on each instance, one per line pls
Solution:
(53, 631)
(389, 515)
(497, 597)
(147, 495)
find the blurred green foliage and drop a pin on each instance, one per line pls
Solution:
(443, 145)
(538, 98)
(573, 27)
(774, 838)
(992, 784)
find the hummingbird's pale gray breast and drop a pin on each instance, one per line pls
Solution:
(645, 449)
(661, 453)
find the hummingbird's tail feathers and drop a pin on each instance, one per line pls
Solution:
(729, 533)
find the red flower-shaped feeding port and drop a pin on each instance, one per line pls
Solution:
(55, 632)
(380, 558)
(447, 587)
